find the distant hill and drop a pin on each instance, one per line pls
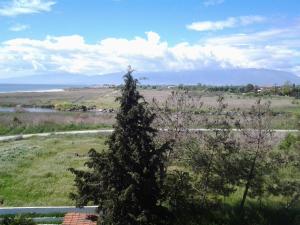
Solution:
(209, 77)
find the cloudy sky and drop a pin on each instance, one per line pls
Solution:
(95, 37)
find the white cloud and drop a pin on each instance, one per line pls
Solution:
(18, 7)
(213, 2)
(230, 22)
(19, 27)
(270, 49)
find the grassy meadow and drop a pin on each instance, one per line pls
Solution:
(27, 123)
(34, 172)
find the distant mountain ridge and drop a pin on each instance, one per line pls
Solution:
(261, 77)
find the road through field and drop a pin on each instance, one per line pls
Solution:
(102, 131)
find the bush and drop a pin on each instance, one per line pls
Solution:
(18, 220)
(288, 142)
(71, 107)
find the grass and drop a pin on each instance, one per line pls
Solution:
(48, 127)
(24, 123)
(291, 109)
(105, 98)
(285, 121)
(101, 97)
(34, 172)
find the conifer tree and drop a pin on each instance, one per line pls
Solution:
(126, 180)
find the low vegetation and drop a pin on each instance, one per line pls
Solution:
(28, 123)
(73, 102)
(34, 172)
(101, 97)
(215, 177)
(66, 106)
(48, 127)
(221, 177)
(17, 220)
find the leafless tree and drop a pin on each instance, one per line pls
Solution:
(176, 117)
(256, 163)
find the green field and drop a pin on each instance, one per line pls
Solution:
(34, 172)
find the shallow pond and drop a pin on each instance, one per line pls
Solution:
(35, 110)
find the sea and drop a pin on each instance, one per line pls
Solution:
(11, 88)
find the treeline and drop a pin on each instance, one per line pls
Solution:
(158, 171)
(287, 89)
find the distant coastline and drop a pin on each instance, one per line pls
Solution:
(33, 91)
(17, 88)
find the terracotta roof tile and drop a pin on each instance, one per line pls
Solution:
(80, 219)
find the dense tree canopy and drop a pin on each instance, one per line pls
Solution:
(126, 180)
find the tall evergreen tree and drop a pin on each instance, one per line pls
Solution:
(126, 180)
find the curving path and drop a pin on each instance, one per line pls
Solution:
(106, 131)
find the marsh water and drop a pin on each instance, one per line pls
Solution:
(34, 110)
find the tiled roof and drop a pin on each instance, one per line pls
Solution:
(80, 219)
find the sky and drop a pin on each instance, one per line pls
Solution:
(94, 37)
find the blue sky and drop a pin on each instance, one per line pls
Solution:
(101, 36)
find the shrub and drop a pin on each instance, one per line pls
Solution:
(17, 220)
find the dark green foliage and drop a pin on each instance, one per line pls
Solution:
(249, 87)
(289, 141)
(71, 107)
(288, 184)
(18, 220)
(179, 189)
(257, 214)
(127, 180)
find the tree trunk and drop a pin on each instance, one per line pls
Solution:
(251, 173)
(205, 182)
(250, 177)
(244, 197)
